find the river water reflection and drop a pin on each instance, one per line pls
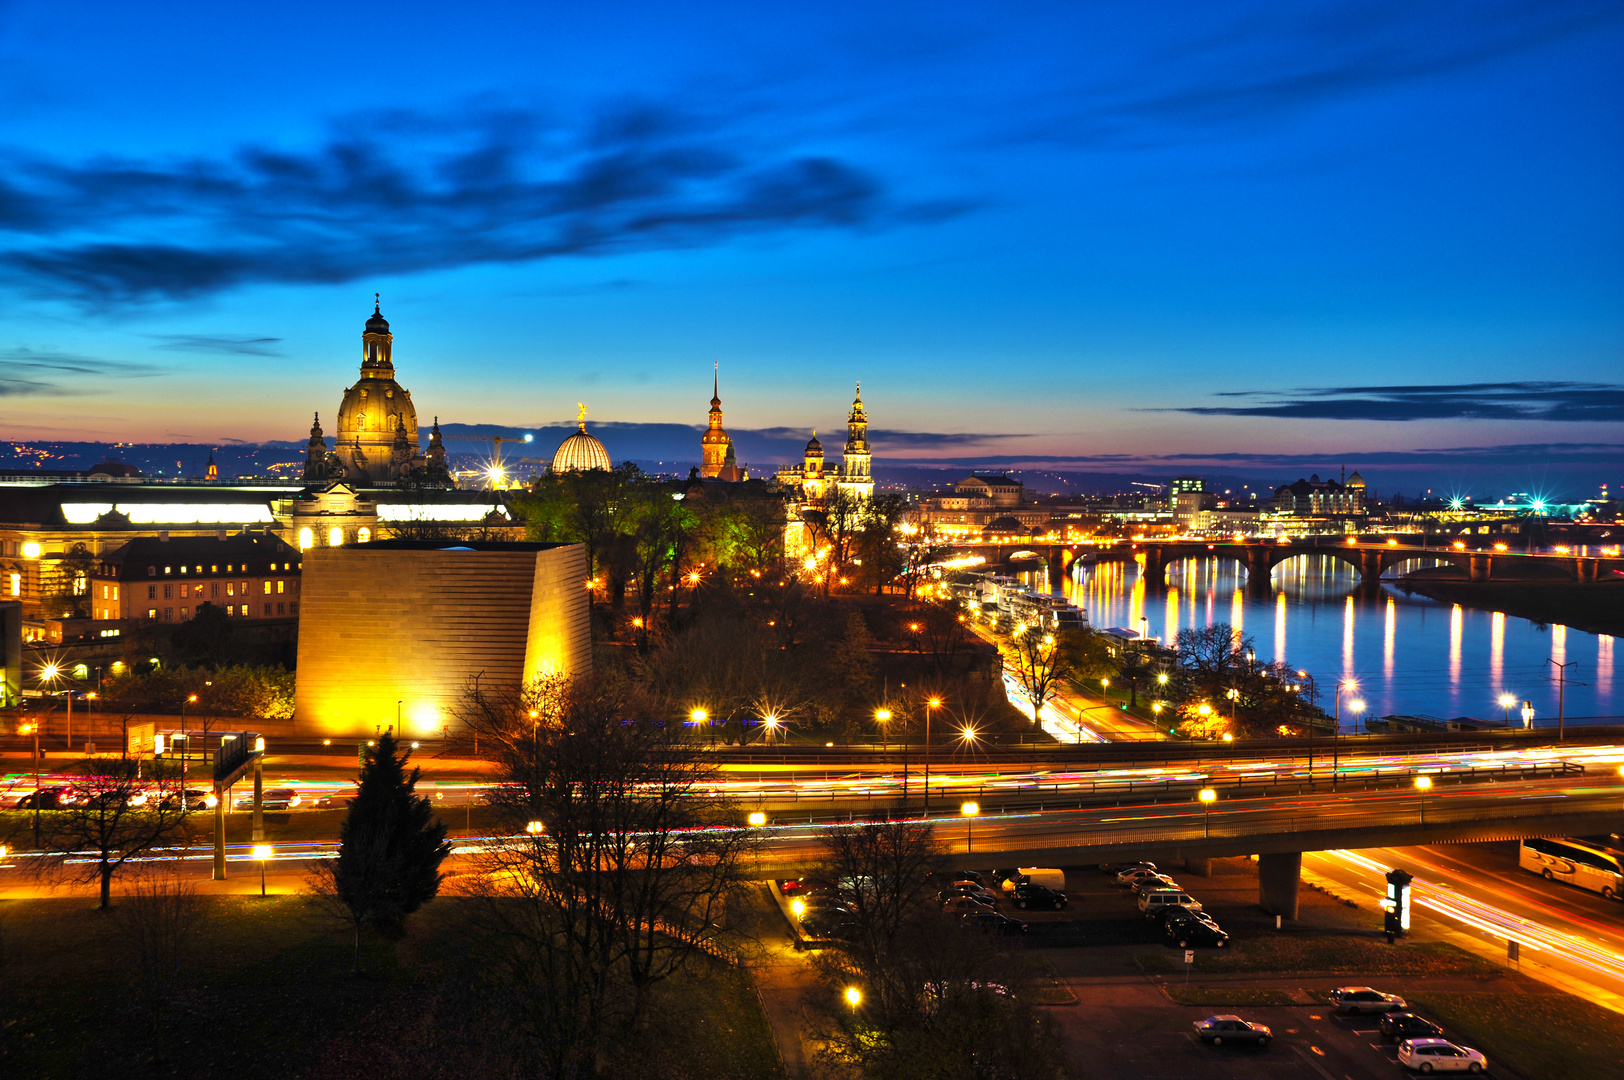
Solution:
(1409, 654)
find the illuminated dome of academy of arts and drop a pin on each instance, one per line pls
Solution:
(581, 451)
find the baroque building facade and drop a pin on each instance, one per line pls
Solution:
(814, 480)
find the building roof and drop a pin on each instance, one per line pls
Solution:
(581, 452)
(255, 552)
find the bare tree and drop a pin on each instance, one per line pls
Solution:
(158, 914)
(1038, 661)
(116, 818)
(618, 863)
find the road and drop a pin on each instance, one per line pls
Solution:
(1477, 894)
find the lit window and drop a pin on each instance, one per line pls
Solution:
(267, 588)
(231, 588)
(307, 540)
(168, 569)
(279, 586)
(214, 569)
(115, 592)
(183, 614)
(335, 536)
(152, 613)
(31, 550)
(16, 582)
(363, 535)
(231, 609)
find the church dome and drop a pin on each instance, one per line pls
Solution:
(814, 447)
(371, 411)
(579, 453)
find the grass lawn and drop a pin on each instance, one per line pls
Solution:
(1537, 1035)
(1327, 953)
(267, 990)
(1225, 996)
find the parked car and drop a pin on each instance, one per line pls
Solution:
(1123, 867)
(1219, 1029)
(966, 905)
(1155, 881)
(1187, 932)
(968, 888)
(1407, 1025)
(1030, 895)
(831, 923)
(1440, 1055)
(990, 921)
(1134, 873)
(1167, 915)
(274, 799)
(1354, 1000)
(1151, 902)
(948, 877)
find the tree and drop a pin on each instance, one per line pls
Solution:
(116, 819)
(1038, 660)
(390, 847)
(158, 915)
(206, 639)
(622, 862)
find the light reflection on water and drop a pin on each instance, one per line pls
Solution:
(1409, 654)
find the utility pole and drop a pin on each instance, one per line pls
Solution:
(1561, 682)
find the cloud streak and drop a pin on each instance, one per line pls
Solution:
(26, 372)
(408, 192)
(1560, 402)
(229, 346)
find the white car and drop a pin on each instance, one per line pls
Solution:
(1354, 1000)
(1134, 873)
(1440, 1055)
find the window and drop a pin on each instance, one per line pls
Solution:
(281, 609)
(115, 592)
(152, 613)
(230, 569)
(214, 588)
(183, 614)
(169, 592)
(335, 537)
(293, 607)
(280, 586)
(363, 535)
(169, 614)
(242, 590)
(267, 585)
(267, 609)
(307, 540)
(152, 592)
(231, 588)
(104, 592)
(168, 569)
(231, 609)
(214, 569)
(152, 571)
(16, 583)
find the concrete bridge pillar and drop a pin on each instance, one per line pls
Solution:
(1199, 867)
(1370, 565)
(1258, 571)
(1060, 560)
(1480, 568)
(1277, 880)
(1155, 570)
(1586, 569)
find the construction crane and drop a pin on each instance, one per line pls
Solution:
(1157, 488)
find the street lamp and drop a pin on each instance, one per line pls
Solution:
(262, 852)
(969, 810)
(882, 716)
(930, 705)
(797, 907)
(1423, 784)
(33, 729)
(1506, 702)
(854, 997)
(1208, 796)
(757, 819)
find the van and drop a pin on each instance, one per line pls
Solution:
(1158, 900)
(1049, 878)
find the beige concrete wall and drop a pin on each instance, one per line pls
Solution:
(380, 625)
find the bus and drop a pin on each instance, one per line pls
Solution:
(1575, 862)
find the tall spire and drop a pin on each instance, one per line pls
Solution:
(716, 384)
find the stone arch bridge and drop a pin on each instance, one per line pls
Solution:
(1260, 557)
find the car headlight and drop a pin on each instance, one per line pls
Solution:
(211, 801)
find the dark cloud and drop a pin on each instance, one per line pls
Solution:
(1550, 401)
(27, 372)
(1503, 455)
(405, 192)
(245, 346)
(1269, 59)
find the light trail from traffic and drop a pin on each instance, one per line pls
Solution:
(1531, 936)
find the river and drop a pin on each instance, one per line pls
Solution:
(1408, 654)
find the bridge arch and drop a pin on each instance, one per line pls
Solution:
(1279, 557)
(1218, 552)
(1400, 566)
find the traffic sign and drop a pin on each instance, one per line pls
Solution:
(1189, 956)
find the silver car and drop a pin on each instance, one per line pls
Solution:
(1354, 1000)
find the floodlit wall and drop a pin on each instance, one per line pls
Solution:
(382, 624)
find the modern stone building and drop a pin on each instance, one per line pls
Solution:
(400, 628)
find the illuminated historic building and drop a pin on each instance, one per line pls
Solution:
(376, 440)
(581, 451)
(403, 628)
(813, 480)
(717, 458)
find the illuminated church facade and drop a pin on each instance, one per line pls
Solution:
(813, 481)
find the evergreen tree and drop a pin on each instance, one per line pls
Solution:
(390, 847)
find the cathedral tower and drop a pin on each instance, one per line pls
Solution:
(855, 476)
(376, 421)
(716, 444)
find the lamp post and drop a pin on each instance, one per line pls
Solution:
(854, 997)
(1208, 796)
(1423, 784)
(33, 729)
(969, 810)
(262, 852)
(1506, 702)
(882, 716)
(931, 704)
(184, 753)
(699, 716)
(1336, 736)
(398, 730)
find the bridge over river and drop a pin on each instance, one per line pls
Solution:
(1371, 558)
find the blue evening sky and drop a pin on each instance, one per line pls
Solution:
(1098, 233)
